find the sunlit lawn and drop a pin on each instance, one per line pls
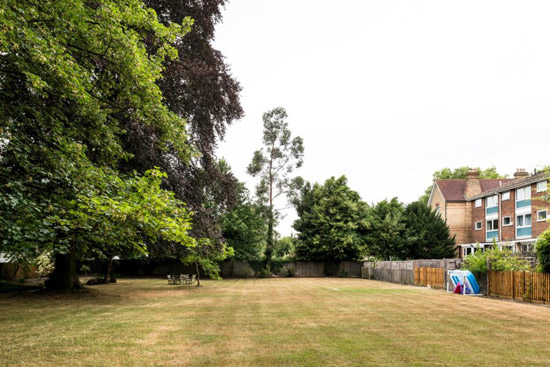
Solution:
(269, 322)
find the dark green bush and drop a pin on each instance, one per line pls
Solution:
(543, 251)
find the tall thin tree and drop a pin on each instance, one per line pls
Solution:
(273, 165)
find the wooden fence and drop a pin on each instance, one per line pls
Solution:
(429, 277)
(412, 272)
(519, 285)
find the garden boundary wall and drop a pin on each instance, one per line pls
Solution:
(242, 269)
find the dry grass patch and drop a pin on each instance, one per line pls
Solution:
(267, 322)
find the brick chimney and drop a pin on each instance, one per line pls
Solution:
(520, 173)
(473, 187)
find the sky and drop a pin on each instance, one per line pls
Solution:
(387, 92)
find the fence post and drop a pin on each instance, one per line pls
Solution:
(488, 270)
(513, 284)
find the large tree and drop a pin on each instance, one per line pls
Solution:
(332, 223)
(73, 78)
(386, 236)
(458, 173)
(426, 233)
(197, 85)
(274, 164)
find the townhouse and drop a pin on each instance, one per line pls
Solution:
(480, 212)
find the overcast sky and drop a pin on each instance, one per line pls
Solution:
(387, 92)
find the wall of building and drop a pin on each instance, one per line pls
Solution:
(478, 215)
(508, 209)
(459, 217)
(537, 203)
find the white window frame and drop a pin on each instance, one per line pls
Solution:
(478, 203)
(506, 196)
(493, 221)
(480, 226)
(467, 251)
(545, 216)
(523, 226)
(509, 224)
(488, 200)
(542, 186)
(526, 191)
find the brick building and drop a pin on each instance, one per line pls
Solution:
(479, 211)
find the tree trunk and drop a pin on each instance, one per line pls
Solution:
(269, 244)
(64, 275)
(107, 278)
(198, 275)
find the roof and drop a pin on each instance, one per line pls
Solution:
(492, 183)
(454, 189)
(512, 184)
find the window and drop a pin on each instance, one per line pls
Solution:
(541, 216)
(492, 230)
(523, 194)
(478, 226)
(492, 201)
(541, 186)
(506, 221)
(468, 251)
(506, 196)
(492, 225)
(478, 203)
(523, 199)
(523, 225)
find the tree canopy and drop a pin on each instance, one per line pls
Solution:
(386, 235)
(426, 233)
(71, 80)
(332, 223)
(244, 228)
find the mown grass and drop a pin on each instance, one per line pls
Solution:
(269, 322)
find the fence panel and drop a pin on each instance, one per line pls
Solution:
(433, 277)
(520, 285)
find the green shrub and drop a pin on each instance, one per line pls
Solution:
(344, 274)
(290, 272)
(543, 251)
(264, 273)
(501, 260)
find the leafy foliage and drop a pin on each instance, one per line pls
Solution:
(426, 233)
(244, 228)
(458, 173)
(386, 235)
(71, 80)
(197, 85)
(332, 222)
(500, 259)
(285, 248)
(543, 251)
(273, 164)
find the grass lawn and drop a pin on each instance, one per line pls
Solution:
(269, 322)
